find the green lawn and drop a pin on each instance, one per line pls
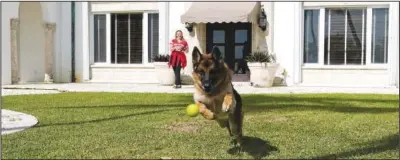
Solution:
(129, 125)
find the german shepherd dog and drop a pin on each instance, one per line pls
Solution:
(214, 93)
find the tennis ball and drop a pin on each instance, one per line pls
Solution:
(192, 110)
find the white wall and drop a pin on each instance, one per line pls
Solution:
(260, 39)
(123, 6)
(164, 19)
(268, 35)
(50, 12)
(345, 77)
(64, 64)
(60, 14)
(287, 44)
(175, 12)
(394, 44)
(31, 43)
(177, 9)
(198, 36)
(81, 42)
(129, 73)
(124, 74)
(8, 10)
(286, 37)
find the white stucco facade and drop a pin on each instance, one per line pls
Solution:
(381, 75)
(284, 37)
(30, 38)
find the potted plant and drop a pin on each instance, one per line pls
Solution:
(262, 67)
(165, 75)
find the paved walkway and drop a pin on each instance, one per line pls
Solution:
(9, 92)
(12, 121)
(155, 88)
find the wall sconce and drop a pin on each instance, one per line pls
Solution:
(189, 26)
(262, 19)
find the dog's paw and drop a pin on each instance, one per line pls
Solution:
(209, 116)
(228, 103)
(206, 113)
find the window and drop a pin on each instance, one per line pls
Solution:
(153, 35)
(344, 32)
(345, 38)
(126, 37)
(100, 38)
(379, 40)
(311, 21)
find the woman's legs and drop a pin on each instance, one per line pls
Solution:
(177, 71)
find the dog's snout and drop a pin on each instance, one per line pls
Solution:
(207, 89)
(207, 85)
(206, 82)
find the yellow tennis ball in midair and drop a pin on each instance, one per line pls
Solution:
(192, 110)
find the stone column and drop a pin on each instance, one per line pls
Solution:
(49, 30)
(14, 27)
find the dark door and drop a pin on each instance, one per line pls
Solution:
(234, 41)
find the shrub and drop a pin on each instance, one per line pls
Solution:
(261, 56)
(161, 58)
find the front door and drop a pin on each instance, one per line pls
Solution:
(234, 41)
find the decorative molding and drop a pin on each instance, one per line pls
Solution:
(14, 35)
(14, 22)
(49, 30)
(49, 26)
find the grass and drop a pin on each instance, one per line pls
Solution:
(129, 125)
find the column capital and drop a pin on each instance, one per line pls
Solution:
(14, 22)
(49, 26)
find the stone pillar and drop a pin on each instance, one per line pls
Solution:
(49, 30)
(14, 27)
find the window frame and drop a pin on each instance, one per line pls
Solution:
(321, 35)
(94, 31)
(145, 63)
(148, 33)
(92, 38)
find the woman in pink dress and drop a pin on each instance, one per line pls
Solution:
(178, 47)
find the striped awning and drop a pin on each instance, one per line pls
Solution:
(219, 12)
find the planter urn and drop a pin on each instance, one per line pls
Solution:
(262, 74)
(165, 75)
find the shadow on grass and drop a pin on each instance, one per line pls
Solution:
(365, 98)
(253, 98)
(257, 107)
(344, 108)
(385, 144)
(257, 103)
(345, 103)
(169, 105)
(93, 121)
(255, 147)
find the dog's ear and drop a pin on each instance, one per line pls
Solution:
(216, 53)
(196, 55)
